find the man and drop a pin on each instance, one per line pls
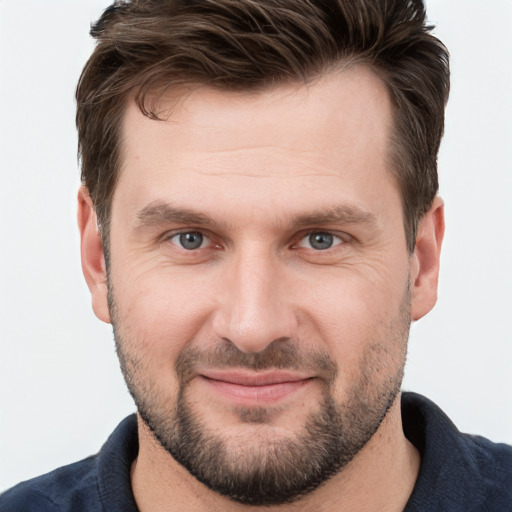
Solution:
(259, 223)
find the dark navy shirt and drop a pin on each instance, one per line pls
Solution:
(459, 472)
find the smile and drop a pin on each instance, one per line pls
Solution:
(255, 389)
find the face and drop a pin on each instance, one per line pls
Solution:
(259, 281)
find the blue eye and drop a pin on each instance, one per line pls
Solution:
(189, 241)
(320, 241)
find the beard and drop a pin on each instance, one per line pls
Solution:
(265, 468)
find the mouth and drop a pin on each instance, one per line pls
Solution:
(255, 388)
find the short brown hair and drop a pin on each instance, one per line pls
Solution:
(147, 46)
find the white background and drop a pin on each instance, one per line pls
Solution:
(61, 392)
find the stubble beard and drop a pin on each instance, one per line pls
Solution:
(268, 470)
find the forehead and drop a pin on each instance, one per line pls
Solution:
(355, 93)
(323, 137)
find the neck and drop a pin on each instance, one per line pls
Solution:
(380, 478)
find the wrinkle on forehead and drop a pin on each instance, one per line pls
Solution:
(210, 109)
(291, 149)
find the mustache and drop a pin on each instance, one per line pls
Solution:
(280, 354)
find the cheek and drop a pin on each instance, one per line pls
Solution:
(160, 313)
(353, 314)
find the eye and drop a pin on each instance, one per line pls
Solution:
(320, 241)
(189, 240)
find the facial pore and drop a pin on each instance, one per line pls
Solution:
(268, 468)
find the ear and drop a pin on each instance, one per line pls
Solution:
(425, 260)
(93, 258)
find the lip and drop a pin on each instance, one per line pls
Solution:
(250, 388)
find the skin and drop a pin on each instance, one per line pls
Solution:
(267, 169)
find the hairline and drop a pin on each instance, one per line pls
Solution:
(396, 156)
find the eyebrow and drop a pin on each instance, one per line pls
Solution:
(158, 213)
(344, 214)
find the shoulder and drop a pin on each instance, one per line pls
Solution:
(491, 465)
(98, 483)
(62, 489)
(459, 472)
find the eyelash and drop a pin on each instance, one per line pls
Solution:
(340, 238)
(204, 236)
(334, 236)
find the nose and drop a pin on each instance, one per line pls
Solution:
(253, 310)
